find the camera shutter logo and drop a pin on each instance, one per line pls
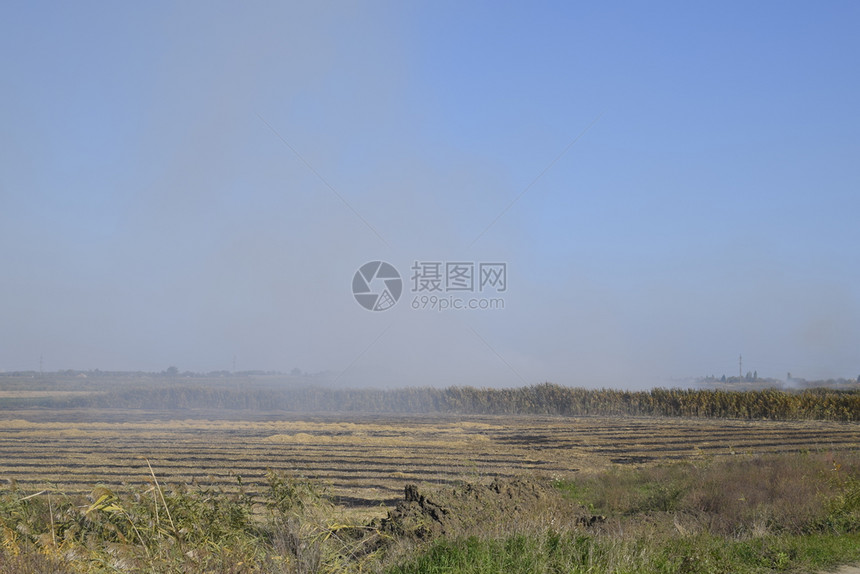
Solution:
(377, 286)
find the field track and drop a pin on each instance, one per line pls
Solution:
(366, 460)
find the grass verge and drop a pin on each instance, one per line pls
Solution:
(572, 553)
(776, 513)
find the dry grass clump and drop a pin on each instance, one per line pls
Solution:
(31, 561)
(760, 495)
(291, 528)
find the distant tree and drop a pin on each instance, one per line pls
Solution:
(755, 375)
(171, 371)
(723, 379)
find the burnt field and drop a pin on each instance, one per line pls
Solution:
(365, 460)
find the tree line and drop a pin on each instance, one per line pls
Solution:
(541, 399)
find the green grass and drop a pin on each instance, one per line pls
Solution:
(574, 554)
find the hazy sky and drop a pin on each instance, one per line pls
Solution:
(153, 213)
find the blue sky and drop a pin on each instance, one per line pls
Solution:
(152, 215)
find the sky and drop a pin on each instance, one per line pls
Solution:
(668, 185)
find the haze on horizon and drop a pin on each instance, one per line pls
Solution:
(669, 184)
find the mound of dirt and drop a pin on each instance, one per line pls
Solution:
(465, 508)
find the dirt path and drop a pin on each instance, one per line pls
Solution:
(846, 570)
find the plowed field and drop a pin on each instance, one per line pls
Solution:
(366, 461)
